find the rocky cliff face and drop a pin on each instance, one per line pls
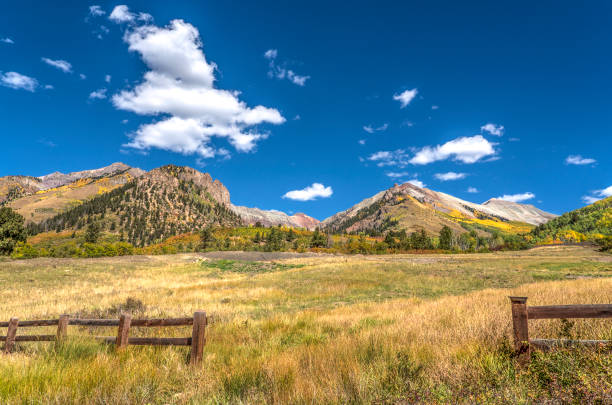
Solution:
(172, 176)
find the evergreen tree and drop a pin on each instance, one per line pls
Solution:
(206, 238)
(318, 239)
(11, 230)
(92, 233)
(446, 238)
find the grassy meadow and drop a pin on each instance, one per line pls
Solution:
(310, 329)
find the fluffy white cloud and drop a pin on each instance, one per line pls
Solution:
(497, 130)
(598, 195)
(62, 65)
(82, 76)
(18, 81)
(472, 190)
(405, 97)
(371, 129)
(389, 158)
(362, 142)
(312, 192)
(395, 175)
(121, 14)
(98, 94)
(517, 197)
(107, 78)
(416, 182)
(450, 176)
(464, 149)
(181, 84)
(7, 40)
(96, 11)
(578, 160)
(280, 71)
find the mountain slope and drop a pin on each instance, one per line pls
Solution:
(413, 208)
(273, 217)
(591, 222)
(163, 202)
(39, 198)
(519, 212)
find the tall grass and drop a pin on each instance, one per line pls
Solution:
(330, 332)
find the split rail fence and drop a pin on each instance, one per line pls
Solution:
(124, 323)
(521, 314)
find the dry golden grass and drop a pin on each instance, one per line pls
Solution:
(341, 329)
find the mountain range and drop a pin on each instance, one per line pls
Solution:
(149, 206)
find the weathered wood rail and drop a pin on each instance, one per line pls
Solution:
(123, 324)
(521, 314)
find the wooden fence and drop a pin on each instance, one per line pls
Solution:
(521, 314)
(124, 323)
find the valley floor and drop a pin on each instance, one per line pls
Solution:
(290, 328)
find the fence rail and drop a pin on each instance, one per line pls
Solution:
(521, 314)
(123, 324)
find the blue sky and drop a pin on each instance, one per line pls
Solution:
(284, 102)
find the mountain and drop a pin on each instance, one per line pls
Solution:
(593, 222)
(409, 207)
(164, 202)
(273, 217)
(519, 212)
(184, 198)
(39, 198)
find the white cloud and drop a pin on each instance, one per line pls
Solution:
(280, 71)
(578, 160)
(395, 175)
(121, 14)
(145, 17)
(416, 182)
(18, 81)
(389, 158)
(82, 76)
(107, 78)
(312, 192)
(599, 194)
(405, 97)
(464, 149)
(271, 54)
(497, 130)
(370, 129)
(472, 190)
(98, 94)
(362, 141)
(450, 176)
(517, 197)
(435, 107)
(49, 87)
(181, 84)
(62, 65)
(96, 11)
(7, 40)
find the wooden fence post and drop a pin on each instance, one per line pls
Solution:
(198, 338)
(62, 328)
(521, 328)
(9, 344)
(123, 332)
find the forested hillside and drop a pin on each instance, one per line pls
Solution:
(164, 202)
(593, 222)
